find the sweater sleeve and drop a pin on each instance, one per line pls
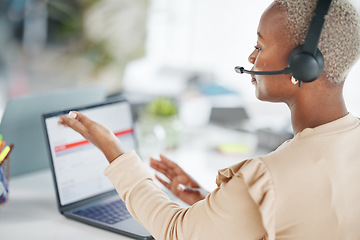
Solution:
(258, 181)
(229, 212)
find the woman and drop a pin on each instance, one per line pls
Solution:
(306, 189)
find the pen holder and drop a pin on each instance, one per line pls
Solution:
(4, 180)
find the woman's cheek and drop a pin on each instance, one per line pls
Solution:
(260, 64)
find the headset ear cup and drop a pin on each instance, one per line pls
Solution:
(304, 66)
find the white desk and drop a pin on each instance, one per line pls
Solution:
(31, 211)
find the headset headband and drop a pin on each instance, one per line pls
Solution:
(316, 25)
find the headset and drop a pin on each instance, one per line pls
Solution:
(306, 62)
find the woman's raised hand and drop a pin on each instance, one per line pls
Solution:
(180, 183)
(95, 133)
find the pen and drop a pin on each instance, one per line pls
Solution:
(11, 148)
(4, 153)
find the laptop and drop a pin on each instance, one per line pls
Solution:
(21, 124)
(83, 192)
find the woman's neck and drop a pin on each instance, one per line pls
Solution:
(317, 108)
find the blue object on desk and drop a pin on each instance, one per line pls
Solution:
(215, 89)
(4, 190)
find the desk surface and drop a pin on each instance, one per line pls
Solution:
(31, 210)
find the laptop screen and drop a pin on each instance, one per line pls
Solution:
(78, 165)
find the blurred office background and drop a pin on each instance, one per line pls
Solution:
(182, 49)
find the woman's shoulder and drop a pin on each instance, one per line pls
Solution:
(255, 174)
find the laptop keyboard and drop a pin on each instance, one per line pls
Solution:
(110, 213)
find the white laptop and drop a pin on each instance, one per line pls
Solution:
(84, 193)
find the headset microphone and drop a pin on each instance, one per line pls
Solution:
(306, 63)
(243, 70)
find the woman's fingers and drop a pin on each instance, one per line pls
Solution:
(162, 168)
(168, 162)
(163, 182)
(72, 121)
(81, 118)
(176, 169)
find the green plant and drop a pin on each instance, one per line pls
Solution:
(162, 106)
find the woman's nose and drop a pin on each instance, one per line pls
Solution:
(252, 57)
